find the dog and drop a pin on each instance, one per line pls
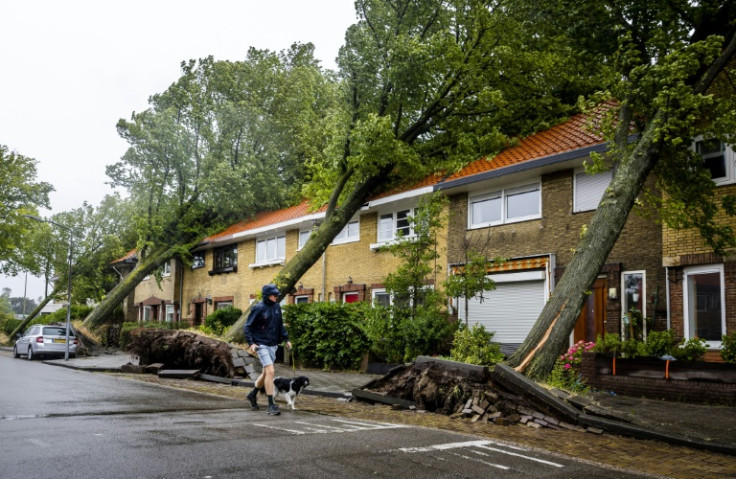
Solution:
(289, 388)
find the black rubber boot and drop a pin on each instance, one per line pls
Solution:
(252, 398)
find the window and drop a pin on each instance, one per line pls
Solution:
(170, 313)
(301, 299)
(703, 304)
(350, 297)
(634, 294)
(718, 159)
(271, 250)
(506, 206)
(381, 298)
(147, 313)
(350, 233)
(223, 305)
(198, 260)
(393, 225)
(303, 237)
(225, 259)
(588, 189)
(166, 269)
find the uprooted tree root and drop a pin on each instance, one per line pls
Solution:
(178, 349)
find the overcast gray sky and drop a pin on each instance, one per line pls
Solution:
(70, 69)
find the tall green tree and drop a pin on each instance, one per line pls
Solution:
(427, 86)
(20, 194)
(226, 140)
(674, 63)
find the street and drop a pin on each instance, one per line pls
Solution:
(57, 423)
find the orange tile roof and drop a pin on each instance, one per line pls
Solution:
(129, 255)
(570, 135)
(573, 134)
(265, 218)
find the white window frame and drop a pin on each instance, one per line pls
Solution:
(351, 294)
(695, 270)
(303, 238)
(166, 269)
(381, 291)
(170, 313)
(387, 230)
(728, 158)
(148, 313)
(274, 252)
(349, 234)
(625, 303)
(301, 299)
(223, 304)
(504, 195)
(595, 184)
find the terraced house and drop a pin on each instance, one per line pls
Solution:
(528, 205)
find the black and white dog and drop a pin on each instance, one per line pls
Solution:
(290, 388)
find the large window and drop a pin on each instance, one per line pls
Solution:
(198, 260)
(703, 302)
(350, 233)
(225, 259)
(170, 310)
(381, 298)
(271, 250)
(634, 304)
(393, 225)
(718, 159)
(505, 206)
(303, 238)
(588, 189)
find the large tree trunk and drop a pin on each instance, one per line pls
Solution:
(319, 240)
(126, 286)
(57, 289)
(551, 333)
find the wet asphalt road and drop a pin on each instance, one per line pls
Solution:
(62, 423)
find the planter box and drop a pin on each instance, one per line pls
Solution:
(688, 381)
(661, 369)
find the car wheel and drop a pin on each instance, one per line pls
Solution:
(16, 354)
(30, 356)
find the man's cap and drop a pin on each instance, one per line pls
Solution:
(270, 289)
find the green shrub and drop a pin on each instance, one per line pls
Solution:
(691, 350)
(728, 348)
(397, 337)
(77, 311)
(609, 344)
(565, 373)
(327, 335)
(474, 346)
(660, 343)
(9, 324)
(220, 320)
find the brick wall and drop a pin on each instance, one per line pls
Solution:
(639, 246)
(654, 388)
(345, 268)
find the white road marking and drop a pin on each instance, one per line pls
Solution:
(475, 459)
(480, 444)
(316, 428)
(39, 442)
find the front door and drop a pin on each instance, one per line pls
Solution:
(198, 313)
(590, 323)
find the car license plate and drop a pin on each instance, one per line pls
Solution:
(59, 340)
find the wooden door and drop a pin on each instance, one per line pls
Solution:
(590, 323)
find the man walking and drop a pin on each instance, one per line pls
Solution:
(264, 330)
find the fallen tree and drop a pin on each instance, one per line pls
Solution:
(181, 350)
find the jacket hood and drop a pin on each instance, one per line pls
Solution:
(268, 290)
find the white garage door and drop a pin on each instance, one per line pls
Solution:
(510, 310)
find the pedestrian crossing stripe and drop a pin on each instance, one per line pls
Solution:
(305, 427)
(482, 444)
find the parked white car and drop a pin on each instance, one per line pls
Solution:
(44, 340)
